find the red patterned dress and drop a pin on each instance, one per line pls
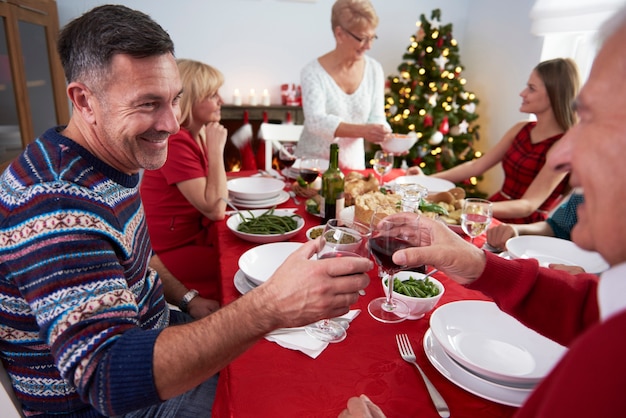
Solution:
(521, 163)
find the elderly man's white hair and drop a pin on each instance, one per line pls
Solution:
(612, 25)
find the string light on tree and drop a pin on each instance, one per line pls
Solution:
(429, 98)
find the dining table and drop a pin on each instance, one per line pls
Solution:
(272, 381)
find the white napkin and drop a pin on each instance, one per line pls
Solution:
(299, 340)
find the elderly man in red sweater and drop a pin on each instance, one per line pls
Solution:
(586, 314)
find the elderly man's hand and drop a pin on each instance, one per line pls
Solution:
(438, 246)
(361, 407)
(200, 307)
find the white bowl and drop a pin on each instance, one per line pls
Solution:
(399, 143)
(254, 188)
(312, 229)
(233, 223)
(259, 263)
(418, 306)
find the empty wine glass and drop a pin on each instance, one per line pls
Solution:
(340, 238)
(390, 234)
(382, 163)
(476, 216)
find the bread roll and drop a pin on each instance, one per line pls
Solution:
(366, 204)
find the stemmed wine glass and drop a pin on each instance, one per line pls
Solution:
(309, 169)
(476, 216)
(340, 238)
(286, 156)
(382, 163)
(390, 234)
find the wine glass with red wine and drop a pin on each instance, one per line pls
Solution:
(339, 239)
(310, 169)
(390, 234)
(286, 156)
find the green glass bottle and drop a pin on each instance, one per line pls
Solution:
(332, 187)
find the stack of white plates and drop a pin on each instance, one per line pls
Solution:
(258, 264)
(487, 352)
(256, 192)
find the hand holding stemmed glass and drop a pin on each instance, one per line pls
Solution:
(476, 216)
(339, 239)
(382, 163)
(391, 233)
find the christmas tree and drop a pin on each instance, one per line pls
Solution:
(429, 98)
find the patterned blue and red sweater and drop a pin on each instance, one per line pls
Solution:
(80, 309)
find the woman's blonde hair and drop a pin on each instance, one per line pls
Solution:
(200, 80)
(353, 14)
(560, 76)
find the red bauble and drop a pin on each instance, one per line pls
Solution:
(444, 126)
(428, 121)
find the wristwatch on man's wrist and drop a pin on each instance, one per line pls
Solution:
(184, 302)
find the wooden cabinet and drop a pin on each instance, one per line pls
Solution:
(32, 84)
(233, 118)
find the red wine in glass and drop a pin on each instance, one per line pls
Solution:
(286, 162)
(309, 175)
(383, 247)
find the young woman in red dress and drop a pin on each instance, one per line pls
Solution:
(530, 189)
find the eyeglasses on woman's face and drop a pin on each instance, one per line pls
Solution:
(360, 39)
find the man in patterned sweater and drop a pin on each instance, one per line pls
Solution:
(83, 313)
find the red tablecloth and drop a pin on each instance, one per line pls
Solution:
(271, 381)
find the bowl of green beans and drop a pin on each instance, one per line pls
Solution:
(421, 295)
(265, 225)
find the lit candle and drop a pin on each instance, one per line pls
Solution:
(265, 98)
(252, 100)
(236, 98)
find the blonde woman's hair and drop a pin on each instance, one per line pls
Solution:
(200, 80)
(353, 14)
(560, 76)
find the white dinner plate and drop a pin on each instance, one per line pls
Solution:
(468, 381)
(242, 284)
(491, 343)
(548, 250)
(260, 262)
(433, 184)
(282, 197)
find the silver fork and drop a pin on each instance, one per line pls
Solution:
(406, 351)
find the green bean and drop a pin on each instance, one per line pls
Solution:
(267, 223)
(415, 288)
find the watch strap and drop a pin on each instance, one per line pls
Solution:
(184, 302)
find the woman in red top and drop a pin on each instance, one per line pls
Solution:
(184, 197)
(530, 188)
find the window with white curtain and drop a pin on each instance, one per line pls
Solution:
(569, 28)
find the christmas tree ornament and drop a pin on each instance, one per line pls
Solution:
(436, 138)
(463, 127)
(444, 126)
(428, 121)
(441, 62)
(455, 130)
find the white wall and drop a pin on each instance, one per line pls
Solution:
(263, 43)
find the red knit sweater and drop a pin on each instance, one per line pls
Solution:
(590, 380)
